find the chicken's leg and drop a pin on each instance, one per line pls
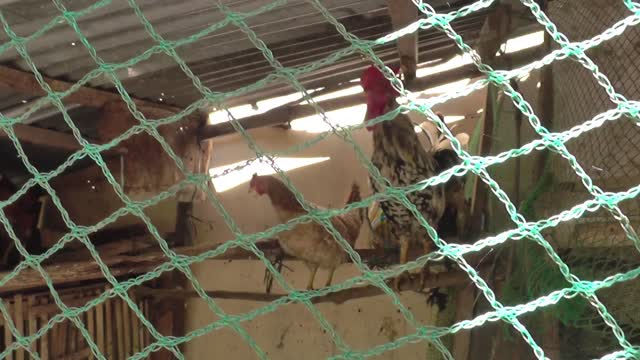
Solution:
(330, 278)
(428, 248)
(463, 216)
(314, 269)
(404, 254)
(456, 200)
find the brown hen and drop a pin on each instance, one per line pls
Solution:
(310, 242)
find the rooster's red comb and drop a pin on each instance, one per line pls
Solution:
(372, 78)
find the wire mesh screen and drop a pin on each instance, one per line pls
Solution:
(611, 155)
(594, 246)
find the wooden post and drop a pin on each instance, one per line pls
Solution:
(147, 334)
(403, 13)
(44, 341)
(91, 327)
(141, 328)
(119, 328)
(110, 352)
(135, 323)
(126, 326)
(551, 339)
(19, 322)
(8, 337)
(168, 315)
(545, 102)
(497, 27)
(33, 321)
(100, 328)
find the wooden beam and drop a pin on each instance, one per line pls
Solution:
(26, 83)
(283, 115)
(444, 279)
(403, 13)
(50, 139)
(64, 274)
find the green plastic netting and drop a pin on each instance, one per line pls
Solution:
(574, 286)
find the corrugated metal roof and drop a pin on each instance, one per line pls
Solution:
(224, 60)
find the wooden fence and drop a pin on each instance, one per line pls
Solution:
(113, 326)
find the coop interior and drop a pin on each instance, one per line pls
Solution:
(220, 179)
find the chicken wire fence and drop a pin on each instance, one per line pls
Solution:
(593, 246)
(579, 125)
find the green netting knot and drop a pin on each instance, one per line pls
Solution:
(17, 40)
(234, 17)
(584, 287)
(630, 107)
(498, 77)
(633, 6)
(438, 20)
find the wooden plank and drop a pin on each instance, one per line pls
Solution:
(44, 340)
(126, 326)
(91, 326)
(55, 339)
(19, 321)
(109, 352)
(147, 314)
(8, 337)
(545, 102)
(81, 354)
(119, 327)
(135, 332)
(73, 340)
(26, 83)
(49, 138)
(100, 323)
(77, 272)
(403, 13)
(141, 327)
(73, 343)
(79, 339)
(33, 321)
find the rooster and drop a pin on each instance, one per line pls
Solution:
(402, 159)
(310, 242)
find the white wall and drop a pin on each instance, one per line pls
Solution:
(291, 332)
